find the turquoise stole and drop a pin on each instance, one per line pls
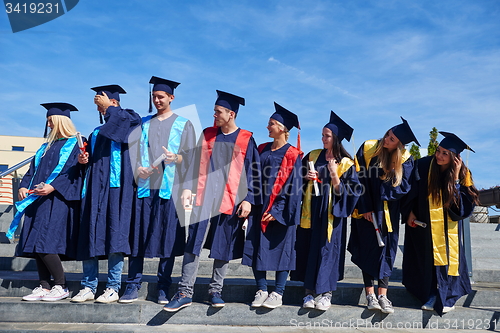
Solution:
(21, 206)
(174, 142)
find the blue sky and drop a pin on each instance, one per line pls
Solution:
(436, 63)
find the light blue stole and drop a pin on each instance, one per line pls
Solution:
(174, 142)
(115, 162)
(21, 206)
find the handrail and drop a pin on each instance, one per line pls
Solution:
(15, 167)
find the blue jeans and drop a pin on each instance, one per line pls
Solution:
(91, 272)
(165, 267)
(280, 281)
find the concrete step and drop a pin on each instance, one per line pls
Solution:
(152, 316)
(242, 290)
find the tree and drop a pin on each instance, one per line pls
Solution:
(433, 143)
(415, 151)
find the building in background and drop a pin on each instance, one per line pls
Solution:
(13, 150)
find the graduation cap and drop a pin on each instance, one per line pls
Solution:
(453, 143)
(287, 118)
(339, 127)
(160, 84)
(404, 133)
(113, 91)
(57, 109)
(229, 101)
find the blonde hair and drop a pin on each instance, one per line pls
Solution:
(386, 161)
(63, 128)
(284, 129)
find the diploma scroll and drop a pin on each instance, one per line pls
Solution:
(377, 231)
(420, 223)
(157, 162)
(315, 182)
(81, 144)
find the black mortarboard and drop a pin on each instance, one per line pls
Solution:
(229, 101)
(160, 84)
(339, 127)
(404, 133)
(113, 91)
(287, 118)
(453, 143)
(58, 109)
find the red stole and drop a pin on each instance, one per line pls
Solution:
(235, 169)
(286, 169)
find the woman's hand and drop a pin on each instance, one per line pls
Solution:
(411, 220)
(312, 175)
(83, 158)
(268, 217)
(457, 161)
(332, 167)
(244, 209)
(45, 190)
(186, 198)
(368, 216)
(22, 193)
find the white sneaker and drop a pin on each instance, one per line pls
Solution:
(372, 302)
(447, 309)
(273, 301)
(83, 295)
(260, 297)
(324, 303)
(110, 295)
(57, 293)
(37, 294)
(309, 302)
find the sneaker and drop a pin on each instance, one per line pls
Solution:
(273, 300)
(83, 295)
(110, 295)
(372, 302)
(178, 302)
(57, 293)
(216, 300)
(385, 304)
(162, 297)
(324, 303)
(260, 297)
(309, 302)
(130, 295)
(37, 294)
(447, 309)
(429, 305)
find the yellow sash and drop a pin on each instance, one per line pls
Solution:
(305, 219)
(369, 149)
(438, 231)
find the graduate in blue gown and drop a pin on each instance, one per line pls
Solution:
(107, 196)
(156, 230)
(227, 185)
(50, 194)
(321, 236)
(270, 241)
(385, 167)
(434, 265)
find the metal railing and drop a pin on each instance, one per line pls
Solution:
(15, 167)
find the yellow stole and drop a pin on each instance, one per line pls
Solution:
(305, 218)
(442, 257)
(369, 149)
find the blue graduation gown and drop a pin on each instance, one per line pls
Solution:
(156, 231)
(274, 250)
(51, 222)
(107, 212)
(320, 264)
(224, 233)
(420, 276)
(366, 254)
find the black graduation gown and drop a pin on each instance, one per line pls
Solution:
(274, 250)
(156, 231)
(420, 275)
(366, 254)
(223, 232)
(51, 221)
(320, 263)
(106, 211)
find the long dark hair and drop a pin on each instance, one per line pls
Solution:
(443, 182)
(338, 149)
